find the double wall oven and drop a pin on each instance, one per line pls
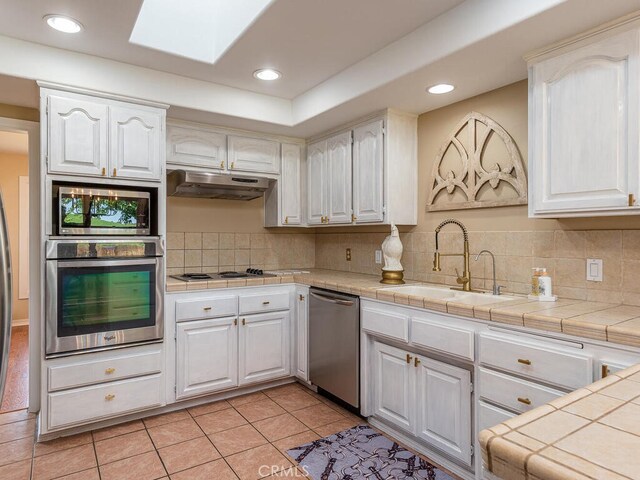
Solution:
(104, 272)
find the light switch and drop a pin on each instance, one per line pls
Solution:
(594, 269)
(378, 256)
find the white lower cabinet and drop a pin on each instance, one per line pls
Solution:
(393, 386)
(302, 333)
(443, 403)
(429, 399)
(207, 359)
(264, 347)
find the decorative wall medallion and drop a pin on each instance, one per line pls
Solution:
(478, 166)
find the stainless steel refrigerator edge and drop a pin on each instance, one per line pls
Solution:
(334, 344)
(5, 298)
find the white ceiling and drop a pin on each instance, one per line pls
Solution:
(341, 59)
(307, 40)
(14, 143)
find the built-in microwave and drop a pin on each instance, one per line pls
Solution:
(86, 210)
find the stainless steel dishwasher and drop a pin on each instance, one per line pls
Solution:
(334, 344)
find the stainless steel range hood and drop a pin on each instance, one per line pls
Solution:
(181, 183)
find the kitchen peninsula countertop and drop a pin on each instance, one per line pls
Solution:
(591, 433)
(607, 322)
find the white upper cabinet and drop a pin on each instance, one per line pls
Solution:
(368, 173)
(338, 188)
(196, 147)
(77, 136)
(316, 183)
(583, 139)
(247, 154)
(102, 137)
(135, 139)
(291, 185)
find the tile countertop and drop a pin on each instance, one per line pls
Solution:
(592, 433)
(599, 321)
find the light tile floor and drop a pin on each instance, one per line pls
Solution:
(222, 440)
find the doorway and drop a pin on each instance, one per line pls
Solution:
(19, 163)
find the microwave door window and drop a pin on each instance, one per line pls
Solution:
(101, 299)
(91, 211)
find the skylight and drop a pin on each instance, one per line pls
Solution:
(201, 30)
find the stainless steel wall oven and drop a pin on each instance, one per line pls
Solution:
(103, 292)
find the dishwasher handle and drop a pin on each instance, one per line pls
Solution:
(346, 303)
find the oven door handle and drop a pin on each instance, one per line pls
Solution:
(106, 263)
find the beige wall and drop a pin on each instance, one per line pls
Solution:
(13, 166)
(20, 113)
(520, 243)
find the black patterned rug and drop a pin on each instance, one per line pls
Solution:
(361, 452)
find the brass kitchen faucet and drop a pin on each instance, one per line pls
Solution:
(465, 279)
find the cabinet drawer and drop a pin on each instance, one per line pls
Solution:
(93, 403)
(445, 338)
(490, 416)
(222, 306)
(541, 361)
(263, 302)
(514, 393)
(392, 325)
(117, 367)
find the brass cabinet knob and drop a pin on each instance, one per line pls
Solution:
(353, 218)
(524, 400)
(104, 171)
(409, 357)
(524, 361)
(286, 219)
(114, 172)
(416, 362)
(109, 397)
(233, 164)
(244, 321)
(222, 164)
(235, 321)
(605, 370)
(301, 298)
(109, 371)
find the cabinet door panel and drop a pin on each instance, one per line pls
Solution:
(368, 173)
(135, 141)
(585, 144)
(206, 356)
(394, 386)
(77, 136)
(264, 347)
(316, 182)
(444, 407)
(339, 178)
(291, 186)
(194, 147)
(302, 338)
(253, 155)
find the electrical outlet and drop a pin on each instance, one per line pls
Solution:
(348, 254)
(378, 256)
(594, 269)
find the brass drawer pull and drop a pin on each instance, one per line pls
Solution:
(524, 400)
(524, 361)
(605, 370)
(109, 371)
(109, 397)
(266, 303)
(416, 362)
(409, 357)
(206, 309)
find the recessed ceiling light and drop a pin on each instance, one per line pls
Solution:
(440, 88)
(267, 74)
(63, 24)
